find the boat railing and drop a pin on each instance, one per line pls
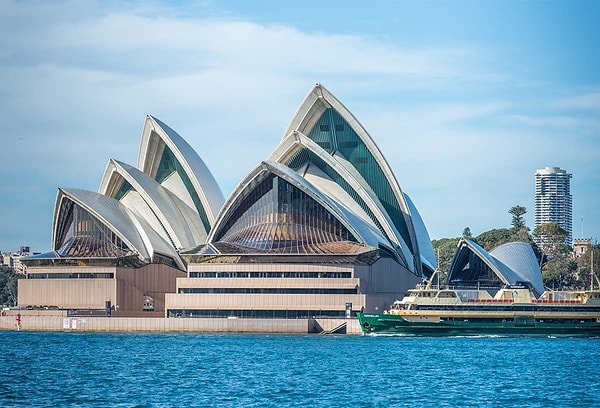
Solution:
(420, 286)
(561, 301)
(491, 300)
(557, 301)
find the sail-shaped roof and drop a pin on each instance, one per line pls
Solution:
(89, 224)
(327, 122)
(170, 216)
(326, 189)
(519, 256)
(274, 209)
(170, 160)
(302, 154)
(473, 265)
(423, 240)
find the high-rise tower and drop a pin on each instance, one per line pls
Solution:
(553, 200)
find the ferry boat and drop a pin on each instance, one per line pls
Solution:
(431, 310)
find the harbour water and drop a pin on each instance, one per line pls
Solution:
(171, 370)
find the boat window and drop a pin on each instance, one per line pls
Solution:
(447, 295)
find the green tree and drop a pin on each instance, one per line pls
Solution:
(561, 273)
(517, 213)
(467, 233)
(8, 286)
(589, 274)
(444, 250)
(559, 269)
(493, 238)
(551, 237)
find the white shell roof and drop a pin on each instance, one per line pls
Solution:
(181, 224)
(362, 231)
(310, 110)
(423, 239)
(315, 103)
(160, 217)
(202, 179)
(297, 141)
(135, 232)
(519, 257)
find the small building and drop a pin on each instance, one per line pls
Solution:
(13, 259)
(581, 247)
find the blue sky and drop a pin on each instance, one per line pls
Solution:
(465, 99)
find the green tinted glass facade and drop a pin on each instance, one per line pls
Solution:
(124, 189)
(169, 165)
(306, 156)
(333, 134)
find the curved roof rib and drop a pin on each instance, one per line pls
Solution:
(468, 265)
(519, 256)
(274, 206)
(472, 264)
(423, 240)
(165, 212)
(288, 153)
(164, 154)
(326, 120)
(92, 224)
(297, 151)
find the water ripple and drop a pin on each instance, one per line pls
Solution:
(167, 370)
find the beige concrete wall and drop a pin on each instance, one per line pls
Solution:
(244, 301)
(154, 280)
(206, 325)
(126, 290)
(67, 293)
(71, 269)
(378, 285)
(214, 301)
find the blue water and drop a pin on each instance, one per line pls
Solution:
(172, 370)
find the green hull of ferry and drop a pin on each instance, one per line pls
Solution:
(384, 323)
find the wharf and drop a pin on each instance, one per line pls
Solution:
(162, 324)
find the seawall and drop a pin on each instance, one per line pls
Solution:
(161, 324)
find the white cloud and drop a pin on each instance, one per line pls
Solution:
(546, 121)
(78, 79)
(584, 101)
(158, 45)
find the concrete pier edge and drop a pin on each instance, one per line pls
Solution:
(164, 325)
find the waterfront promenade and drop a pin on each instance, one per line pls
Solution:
(161, 324)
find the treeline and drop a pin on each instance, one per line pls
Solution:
(560, 269)
(8, 286)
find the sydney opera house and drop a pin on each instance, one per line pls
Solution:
(319, 227)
